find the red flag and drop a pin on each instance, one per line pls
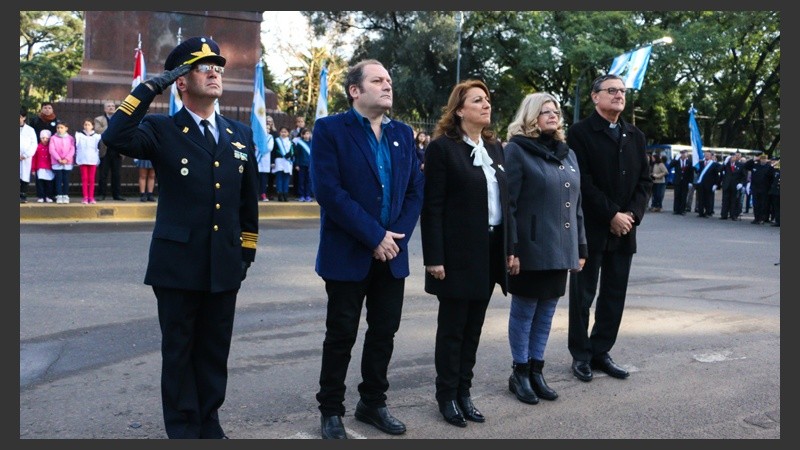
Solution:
(139, 71)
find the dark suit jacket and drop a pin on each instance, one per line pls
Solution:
(732, 177)
(682, 176)
(207, 216)
(455, 219)
(615, 177)
(345, 180)
(712, 175)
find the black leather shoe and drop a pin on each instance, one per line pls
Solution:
(121, 199)
(607, 365)
(582, 370)
(452, 413)
(333, 428)
(380, 418)
(469, 410)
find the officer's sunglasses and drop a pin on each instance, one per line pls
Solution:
(204, 68)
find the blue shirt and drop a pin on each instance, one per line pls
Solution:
(380, 148)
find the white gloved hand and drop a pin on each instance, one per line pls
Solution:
(739, 187)
(713, 188)
(689, 185)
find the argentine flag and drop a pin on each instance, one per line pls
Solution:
(175, 103)
(258, 115)
(697, 141)
(322, 100)
(632, 66)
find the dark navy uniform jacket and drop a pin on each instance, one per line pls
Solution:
(207, 216)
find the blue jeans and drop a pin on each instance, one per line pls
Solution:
(658, 194)
(62, 181)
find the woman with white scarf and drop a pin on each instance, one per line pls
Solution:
(466, 242)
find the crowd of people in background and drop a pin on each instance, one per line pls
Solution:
(744, 183)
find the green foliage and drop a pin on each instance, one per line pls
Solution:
(51, 52)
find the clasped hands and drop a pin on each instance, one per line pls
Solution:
(621, 224)
(388, 249)
(437, 271)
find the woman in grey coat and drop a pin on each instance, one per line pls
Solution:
(545, 203)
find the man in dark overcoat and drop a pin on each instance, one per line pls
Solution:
(615, 186)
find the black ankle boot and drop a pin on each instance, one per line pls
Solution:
(150, 197)
(520, 384)
(142, 197)
(538, 383)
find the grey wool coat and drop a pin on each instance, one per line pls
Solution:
(544, 191)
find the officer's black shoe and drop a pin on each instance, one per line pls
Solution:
(122, 199)
(332, 427)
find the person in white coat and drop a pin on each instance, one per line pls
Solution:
(27, 148)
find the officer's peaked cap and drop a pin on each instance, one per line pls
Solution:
(193, 50)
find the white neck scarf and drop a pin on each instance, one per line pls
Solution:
(480, 157)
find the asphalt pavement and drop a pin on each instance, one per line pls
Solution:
(701, 337)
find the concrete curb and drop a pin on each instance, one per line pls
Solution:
(135, 211)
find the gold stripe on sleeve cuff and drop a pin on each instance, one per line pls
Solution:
(130, 104)
(249, 240)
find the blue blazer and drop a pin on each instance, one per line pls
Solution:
(347, 186)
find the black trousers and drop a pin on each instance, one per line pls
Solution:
(384, 301)
(731, 202)
(196, 330)
(611, 269)
(111, 162)
(679, 200)
(705, 201)
(458, 334)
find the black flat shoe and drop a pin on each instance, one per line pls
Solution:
(332, 427)
(469, 410)
(452, 413)
(582, 370)
(606, 364)
(380, 418)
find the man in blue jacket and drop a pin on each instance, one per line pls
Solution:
(367, 181)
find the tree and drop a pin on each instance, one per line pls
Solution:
(51, 52)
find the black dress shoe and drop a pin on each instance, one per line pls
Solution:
(469, 409)
(333, 428)
(452, 413)
(122, 199)
(607, 365)
(380, 418)
(582, 370)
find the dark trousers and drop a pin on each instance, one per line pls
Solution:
(384, 300)
(761, 206)
(775, 208)
(458, 334)
(196, 330)
(731, 203)
(45, 188)
(705, 201)
(23, 189)
(303, 182)
(111, 162)
(611, 269)
(679, 200)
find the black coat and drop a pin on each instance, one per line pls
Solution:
(615, 177)
(455, 219)
(207, 217)
(683, 176)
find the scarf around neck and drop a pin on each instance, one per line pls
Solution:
(480, 157)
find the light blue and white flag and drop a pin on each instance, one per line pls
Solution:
(697, 141)
(632, 66)
(175, 103)
(322, 100)
(258, 115)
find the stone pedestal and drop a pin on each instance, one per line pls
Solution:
(111, 38)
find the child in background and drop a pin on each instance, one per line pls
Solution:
(282, 158)
(43, 168)
(302, 154)
(87, 157)
(62, 157)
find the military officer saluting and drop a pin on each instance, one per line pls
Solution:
(205, 232)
